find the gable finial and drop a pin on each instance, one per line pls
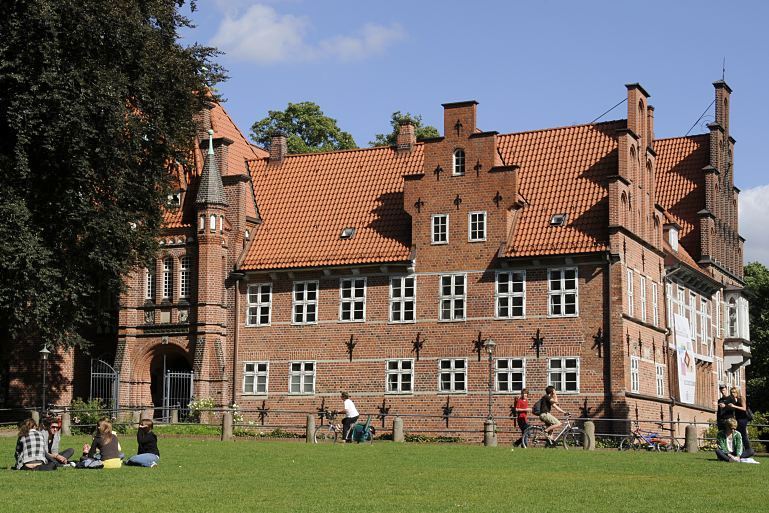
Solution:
(210, 142)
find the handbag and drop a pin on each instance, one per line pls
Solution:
(748, 414)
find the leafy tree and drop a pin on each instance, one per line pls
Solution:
(422, 131)
(757, 285)
(97, 102)
(307, 129)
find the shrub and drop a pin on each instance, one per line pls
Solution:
(424, 439)
(85, 415)
(198, 406)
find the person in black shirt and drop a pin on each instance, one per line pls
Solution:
(148, 453)
(723, 411)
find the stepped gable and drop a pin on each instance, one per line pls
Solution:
(562, 171)
(681, 183)
(305, 202)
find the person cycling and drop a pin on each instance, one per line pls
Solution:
(350, 416)
(547, 403)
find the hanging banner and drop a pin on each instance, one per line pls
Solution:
(687, 371)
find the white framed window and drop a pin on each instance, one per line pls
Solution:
(706, 326)
(403, 299)
(259, 309)
(168, 282)
(510, 295)
(691, 311)
(459, 162)
(717, 306)
(476, 226)
(212, 223)
(630, 294)
(400, 376)
(185, 275)
(700, 315)
(439, 230)
(732, 317)
(642, 296)
(149, 282)
(659, 373)
(352, 299)
(305, 302)
(453, 294)
(201, 223)
(719, 371)
(452, 375)
(635, 382)
(563, 293)
(255, 376)
(655, 305)
(670, 302)
(563, 374)
(738, 378)
(509, 374)
(301, 379)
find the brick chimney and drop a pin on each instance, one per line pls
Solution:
(278, 146)
(407, 136)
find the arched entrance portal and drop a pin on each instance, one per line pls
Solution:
(171, 382)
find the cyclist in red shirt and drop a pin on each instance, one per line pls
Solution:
(521, 407)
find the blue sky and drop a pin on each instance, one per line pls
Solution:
(529, 64)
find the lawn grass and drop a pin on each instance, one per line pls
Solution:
(287, 476)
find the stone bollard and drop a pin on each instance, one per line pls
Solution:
(174, 416)
(309, 431)
(149, 413)
(489, 436)
(227, 426)
(66, 424)
(691, 438)
(35, 416)
(398, 430)
(136, 417)
(589, 442)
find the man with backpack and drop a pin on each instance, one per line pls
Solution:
(544, 406)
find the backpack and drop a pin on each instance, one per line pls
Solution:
(537, 408)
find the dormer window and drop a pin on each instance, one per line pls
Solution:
(459, 162)
(559, 219)
(347, 233)
(174, 199)
(673, 234)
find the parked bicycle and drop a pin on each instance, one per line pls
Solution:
(639, 439)
(332, 432)
(570, 436)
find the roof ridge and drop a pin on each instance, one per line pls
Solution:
(237, 129)
(564, 127)
(681, 137)
(348, 150)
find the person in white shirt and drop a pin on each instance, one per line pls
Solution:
(350, 416)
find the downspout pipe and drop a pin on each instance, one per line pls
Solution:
(237, 277)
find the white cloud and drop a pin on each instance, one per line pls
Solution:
(754, 213)
(262, 35)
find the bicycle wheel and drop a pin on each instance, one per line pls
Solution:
(323, 434)
(534, 437)
(574, 439)
(629, 443)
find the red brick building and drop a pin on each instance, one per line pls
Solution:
(284, 279)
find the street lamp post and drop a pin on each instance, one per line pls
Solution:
(44, 353)
(489, 435)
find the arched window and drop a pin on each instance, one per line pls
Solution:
(185, 267)
(459, 162)
(732, 316)
(212, 223)
(149, 282)
(168, 282)
(202, 223)
(221, 224)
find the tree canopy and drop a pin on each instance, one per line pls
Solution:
(307, 129)
(97, 104)
(757, 285)
(422, 131)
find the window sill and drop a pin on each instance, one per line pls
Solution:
(301, 394)
(452, 320)
(439, 243)
(400, 393)
(351, 322)
(517, 318)
(402, 322)
(246, 395)
(304, 323)
(476, 240)
(565, 316)
(256, 325)
(458, 392)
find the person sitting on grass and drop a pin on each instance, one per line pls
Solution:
(729, 442)
(147, 454)
(107, 444)
(548, 402)
(52, 435)
(30, 448)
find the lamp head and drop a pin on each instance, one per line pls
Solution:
(44, 352)
(489, 344)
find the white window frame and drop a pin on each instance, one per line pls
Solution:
(655, 304)
(476, 234)
(303, 375)
(691, 311)
(563, 292)
(256, 373)
(452, 298)
(399, 373)
(444, 232)
(453, 371)
(255, 304)
(659, 374)
(670, 303)
(510, 370)
(353, 285)
(212, 223)
(511, 295)
(458, 162)
(403, 301)
(563, 370)
(185, 277)
(719, 371)
(642, 296)
(635, 378)
(304, 303)
(149, 282)
(168, 277)
(707, 320)
(630, 293)
(732, 321)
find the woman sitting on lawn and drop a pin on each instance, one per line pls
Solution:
(729, 442)
(148, 454)
(107, 444)
(30, 448)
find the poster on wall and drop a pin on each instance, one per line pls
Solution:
(687, 371)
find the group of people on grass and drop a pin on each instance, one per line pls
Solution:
(732, 419)
(38, 447)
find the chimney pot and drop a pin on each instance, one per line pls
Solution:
(278, 146)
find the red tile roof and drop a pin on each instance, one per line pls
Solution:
(307, 200)
(562, 170)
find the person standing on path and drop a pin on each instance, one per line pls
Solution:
(350, 416)
(521, 406)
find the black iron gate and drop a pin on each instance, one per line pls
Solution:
(177, 394)
(105, 384)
